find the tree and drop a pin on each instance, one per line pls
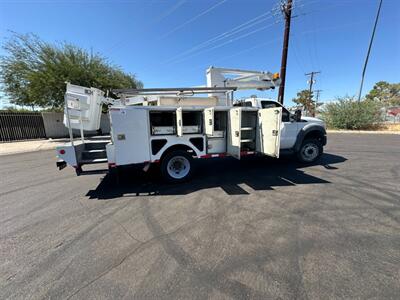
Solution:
(305, 98)
(386, 93)
(347, 113)
(34, 72)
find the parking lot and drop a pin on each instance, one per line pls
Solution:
(257, 228)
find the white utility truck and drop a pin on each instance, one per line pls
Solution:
(174, 126)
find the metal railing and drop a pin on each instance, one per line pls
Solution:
(16, 126)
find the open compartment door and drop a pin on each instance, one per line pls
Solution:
(234, 125)
(269, 126)
(209, 121)
(179, 124)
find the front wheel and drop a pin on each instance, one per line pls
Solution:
(177, 166)
(310, 151)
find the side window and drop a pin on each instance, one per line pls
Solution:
(285, 115)
(270, 104)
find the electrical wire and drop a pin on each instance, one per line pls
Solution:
(225, 57)
(193, 19)
(225, 43)
(235, 30)
(199, 48)
(161, 17)
(169, 11)
(296, 51)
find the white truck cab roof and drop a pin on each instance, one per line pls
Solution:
(268, 103)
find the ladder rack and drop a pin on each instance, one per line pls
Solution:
(174, 91)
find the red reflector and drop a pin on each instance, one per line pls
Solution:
(62, 151)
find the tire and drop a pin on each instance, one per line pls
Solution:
(177, 166)
(310, 151)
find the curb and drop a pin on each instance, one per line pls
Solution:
(363, 131)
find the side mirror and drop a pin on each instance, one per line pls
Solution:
(297, 115)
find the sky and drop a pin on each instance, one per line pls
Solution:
(171, 43)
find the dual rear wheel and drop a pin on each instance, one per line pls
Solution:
(177, 166)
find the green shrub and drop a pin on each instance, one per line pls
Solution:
(347, 113)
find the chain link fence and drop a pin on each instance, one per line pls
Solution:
(15, 126)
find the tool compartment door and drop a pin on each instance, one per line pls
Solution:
(209, 121)
(269, 127)
(234, 125)
(179, 124)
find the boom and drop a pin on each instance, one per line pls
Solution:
(240, 80)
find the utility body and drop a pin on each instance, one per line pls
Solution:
(174, 126)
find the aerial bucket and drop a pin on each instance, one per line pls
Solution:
(83, 107)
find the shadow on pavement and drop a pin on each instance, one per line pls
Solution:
(259, 173)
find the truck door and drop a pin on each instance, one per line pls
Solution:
(269, 127)
(234, 125)
(209, 121)
(179, 125)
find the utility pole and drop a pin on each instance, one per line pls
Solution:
(287, 11)
(311, 82)
(318, 92)
(369, 50)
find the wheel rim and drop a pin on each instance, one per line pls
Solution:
(178, 167)
(309, 152)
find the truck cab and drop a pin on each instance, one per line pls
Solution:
(304, 136)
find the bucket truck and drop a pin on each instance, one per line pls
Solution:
(174, 126)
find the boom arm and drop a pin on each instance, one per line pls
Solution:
(240, 80)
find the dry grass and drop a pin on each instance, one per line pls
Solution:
(379, 128)
(390, 127)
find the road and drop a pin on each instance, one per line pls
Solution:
(256, 229)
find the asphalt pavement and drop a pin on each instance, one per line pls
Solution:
(251, 229)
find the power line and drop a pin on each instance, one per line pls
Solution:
(216, 39)
(246, 25)
(225, 57)
(369, 50)
(224, 43)
(199, 48)
(169, 11)
(193, 19)
(158, 19)
(296, 51)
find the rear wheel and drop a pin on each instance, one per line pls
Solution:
(177, 166)
(310, 151)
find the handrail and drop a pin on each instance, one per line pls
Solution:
(71, 136)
